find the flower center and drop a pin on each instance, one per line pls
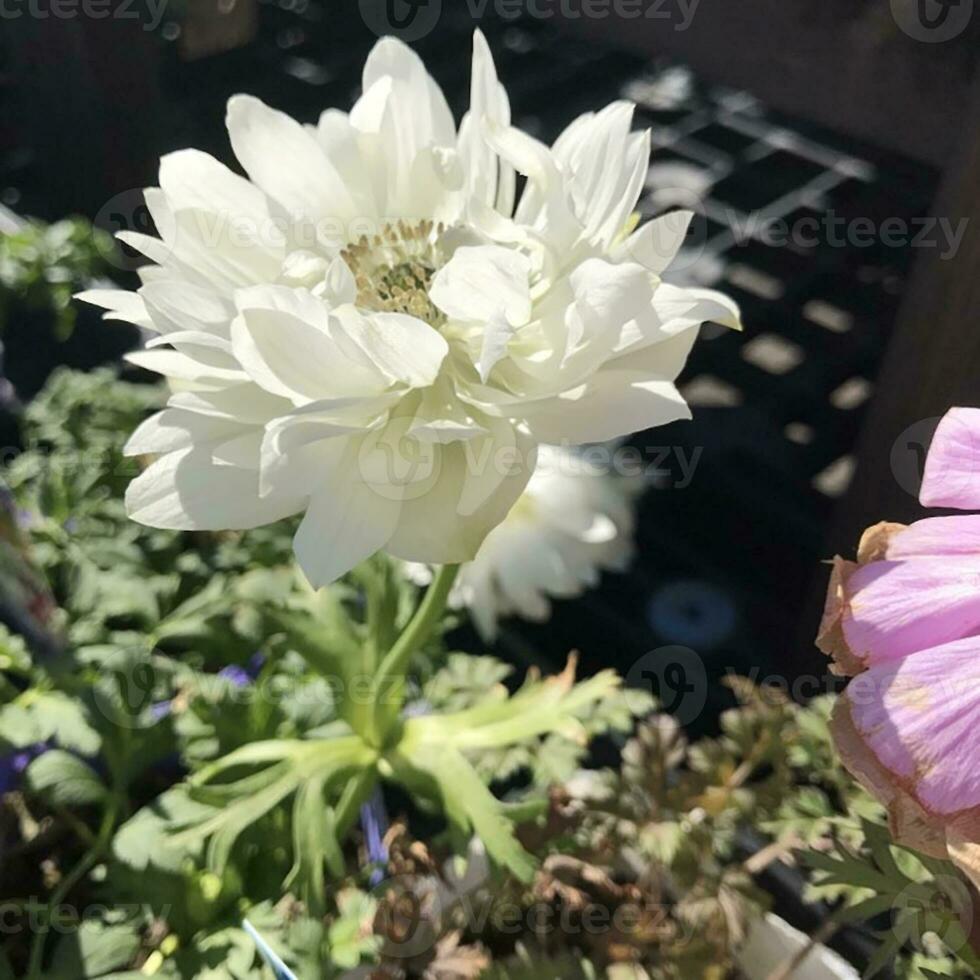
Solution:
(393, 270)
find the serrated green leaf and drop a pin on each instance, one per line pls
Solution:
(48, 716)
(64, 780)
(471, 806)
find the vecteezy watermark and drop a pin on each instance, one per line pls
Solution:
(414, 19)
(678, 12)
(149, 12)
(837, 231)
(33, 915)
(416, 910)
(409, 20)
(403, 461)
(932, 21)
(908, 455)
(676, 676)
(941, 907)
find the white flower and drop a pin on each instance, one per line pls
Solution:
(573, 520)
(369, 330)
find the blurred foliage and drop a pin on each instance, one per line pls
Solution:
(177, 649)
(42, 266)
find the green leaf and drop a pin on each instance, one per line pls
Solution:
(250, 798)
(48, 716)
(538, 708)
(315, 845)
(93, 950)
(351, 937)
(64, 779)
(321, 632)
(471, 806)
(146, 839)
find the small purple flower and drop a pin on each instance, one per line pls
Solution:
(242, 676)
(238, 676)
(12, 766)
(374, 823)
(161, 709)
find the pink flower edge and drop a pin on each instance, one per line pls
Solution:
(952, 472)
(954, 837)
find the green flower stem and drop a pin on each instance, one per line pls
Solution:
(356, 792)
(390, 679)
(71, 879)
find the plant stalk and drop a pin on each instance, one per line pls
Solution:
(87, 862)
(389, 689)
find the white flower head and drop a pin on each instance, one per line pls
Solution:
(371, 330)
(574, 520)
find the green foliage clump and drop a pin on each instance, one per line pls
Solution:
(202, 769)
(42, 266)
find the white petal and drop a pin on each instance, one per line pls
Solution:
(192, 179)
(298, 447)
(246, 403)
(345, 523)
(297, 358)
(496, 337)
(225, 251)
(611, 404)
(423, 115)
(443, 525)
(655, 244)
(551, 213)
(179, 366)
(121, 304)
(606, 167)
(403, 347)
(660, 359)
(607, 297)
(205, 348)
(154, 249)
(342, 143)
(188, 490)
(288, 163)
(243, 450)
(680, 307)
(483, 281)
(442, 417)
(175, 305)
(339, 287)
(324, 419)
(175, 428)
(489, 180)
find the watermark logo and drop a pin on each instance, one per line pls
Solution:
(126, 693)
(675, 675)
(409, 20)
(932, 21)
(126, 211)
(941, 907)
(908, 455)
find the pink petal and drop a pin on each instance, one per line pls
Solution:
(894, 608)
(921, 719)
(952, 471)
(908, 820)
(830, 635)
(936, 536)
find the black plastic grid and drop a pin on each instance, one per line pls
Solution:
(724, 563)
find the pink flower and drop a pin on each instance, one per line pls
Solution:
(904, 621)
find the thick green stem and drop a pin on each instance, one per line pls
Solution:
(356, 792)
(390, 679)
